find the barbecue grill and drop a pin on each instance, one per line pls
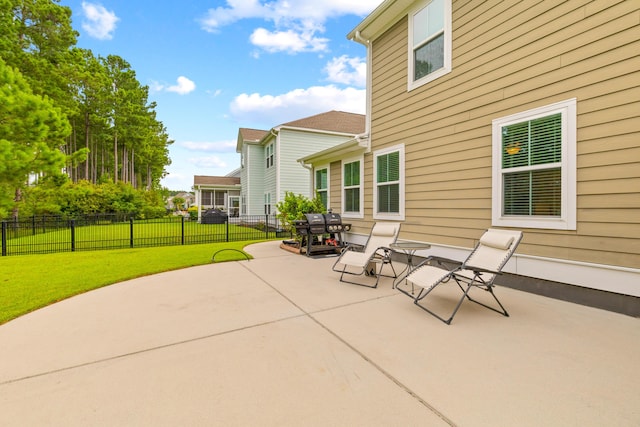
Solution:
(314, 229)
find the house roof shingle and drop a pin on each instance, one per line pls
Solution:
(332, 121)
(252, 134)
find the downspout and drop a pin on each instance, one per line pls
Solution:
(277, 163)
(310, 169)
(358, 38)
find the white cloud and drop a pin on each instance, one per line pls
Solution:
(208, 162)
(288, 41)
(218, 146)
(155, 86)
(270, 110)
(214, 93)
(347, 70)
(183, 87)
(99, 22)
(280, 11)
(296, 23)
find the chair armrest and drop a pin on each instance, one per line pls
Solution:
(386, 252)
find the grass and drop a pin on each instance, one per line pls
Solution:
(30, 282)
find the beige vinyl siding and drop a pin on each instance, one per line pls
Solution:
(507, 58)
(335, 186)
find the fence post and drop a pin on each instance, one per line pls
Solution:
(226, 225)
(33, 224)
(130, 232)
(4, 238)
(266, 227)
(182, 240)
(72, 224)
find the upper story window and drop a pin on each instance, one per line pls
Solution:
(269, 155)
(534, 168)
(388, 172)
(429, 42)
(352, 177)
(322, 185)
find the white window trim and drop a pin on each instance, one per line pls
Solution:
(360, 213)
(328, 189)
(446, 69)
(567, 219)
(400, 216)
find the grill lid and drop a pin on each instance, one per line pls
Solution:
(332, 219)
(315, 219)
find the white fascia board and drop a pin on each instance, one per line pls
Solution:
(337, 152)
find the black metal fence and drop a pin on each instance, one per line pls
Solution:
(48, 234)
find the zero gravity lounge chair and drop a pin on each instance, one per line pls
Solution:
(479, 270)
(376, 251)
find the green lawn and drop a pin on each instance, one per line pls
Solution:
(29, 282)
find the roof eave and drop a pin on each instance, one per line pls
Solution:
(359, 144)
(378, 21)
(314, 130)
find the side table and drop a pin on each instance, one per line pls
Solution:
(408, 249)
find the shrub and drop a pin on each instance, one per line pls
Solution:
(293, 208)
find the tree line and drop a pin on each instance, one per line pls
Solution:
(68, 117)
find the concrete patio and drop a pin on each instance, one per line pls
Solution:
(279, 341)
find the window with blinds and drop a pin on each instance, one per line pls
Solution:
(322, 186)
(388, 182)
(532, 167)
(534, 176)
(351, 185)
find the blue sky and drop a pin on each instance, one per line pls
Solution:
(215, 66)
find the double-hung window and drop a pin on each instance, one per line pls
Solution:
(534, 168)
(267, 203)
(322, 185)
(269, 155)
(352, 177)
(388, 172)
(429, 42)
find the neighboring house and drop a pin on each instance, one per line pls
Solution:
(189, 199)
(269, 159)
(221, 192)
(521, 115)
